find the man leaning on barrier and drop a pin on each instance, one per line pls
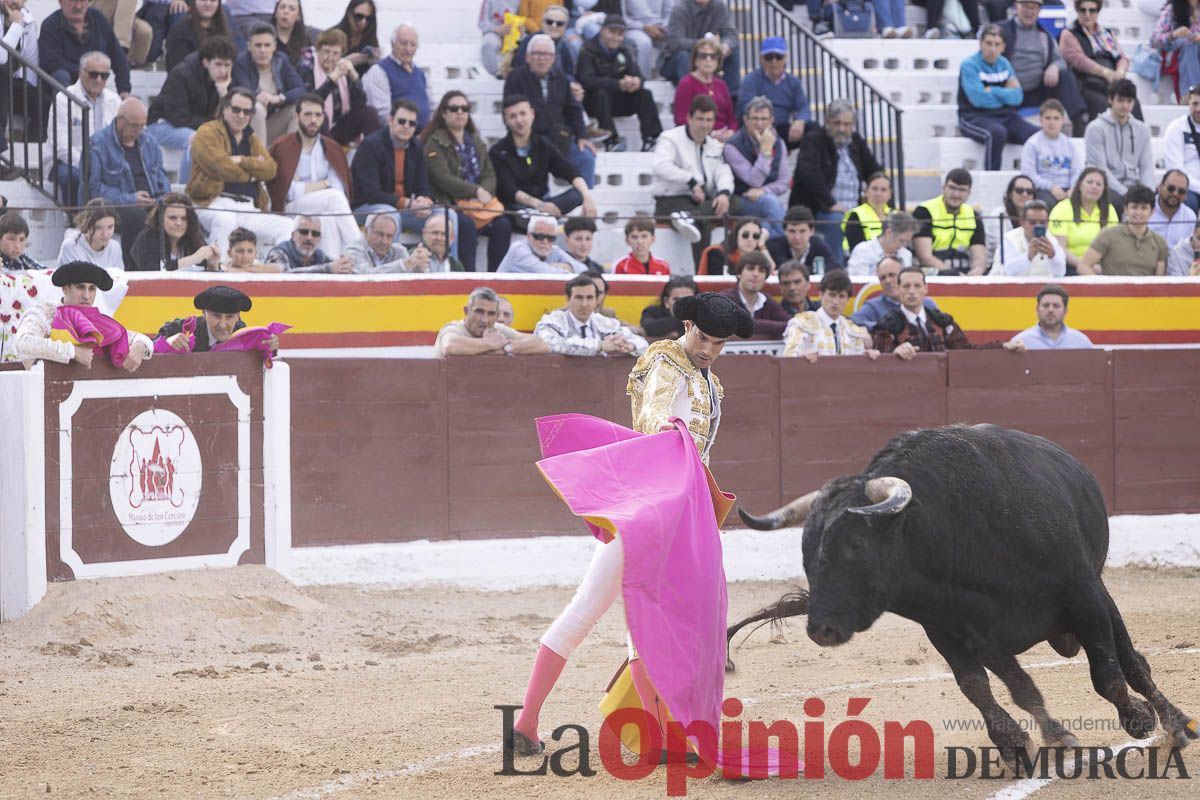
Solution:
(74, 329)
(480, 332)
(221, 309)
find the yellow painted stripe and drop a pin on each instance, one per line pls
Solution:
(1088, 313)
(409, 313)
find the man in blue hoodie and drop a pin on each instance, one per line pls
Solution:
(989, 99)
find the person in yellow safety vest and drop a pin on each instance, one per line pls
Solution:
(864, 222)
(951, 239)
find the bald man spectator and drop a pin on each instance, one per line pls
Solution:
(127, 169)
(379, 252)
(437, 242)
(396, 77)
(73, 30)
(557, 115)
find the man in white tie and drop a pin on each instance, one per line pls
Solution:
(578, 331)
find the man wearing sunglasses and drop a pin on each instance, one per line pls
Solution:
(390, 175)
(94, 70)
(1182, 145)
(1172, 219)
(229, 167)
(303, 253)
(539, 253)
(773, 81)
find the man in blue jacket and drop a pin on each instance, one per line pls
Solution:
(70, 32)
(127, 169)
(272, 104)
(989, 99)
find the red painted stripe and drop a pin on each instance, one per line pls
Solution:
(1104, 337)
(405, 288)
(1123, 289)
(362, 339)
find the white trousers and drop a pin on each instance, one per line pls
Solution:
(224, 214)
(600, 586)
(336, 232)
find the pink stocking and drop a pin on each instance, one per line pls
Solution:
(647, 694)
(547, 666)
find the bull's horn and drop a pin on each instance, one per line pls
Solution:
(889, 495)
(794, 513)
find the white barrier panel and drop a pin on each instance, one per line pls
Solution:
(22, 492)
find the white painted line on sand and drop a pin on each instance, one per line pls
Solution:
(348, 782)
(1028, 786)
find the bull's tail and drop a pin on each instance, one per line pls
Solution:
(792, 604)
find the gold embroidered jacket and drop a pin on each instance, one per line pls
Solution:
(665, 383)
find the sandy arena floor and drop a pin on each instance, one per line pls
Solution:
(238, 684)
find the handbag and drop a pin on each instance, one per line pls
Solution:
(853, 19)
(481, 213)
(1147, 63)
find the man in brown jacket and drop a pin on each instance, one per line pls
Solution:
(229, 165)
(313, 176)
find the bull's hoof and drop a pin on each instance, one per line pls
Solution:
(1066, 740)
(1185, 735)
(1008, 754)
(729, 664)
(1137, 718)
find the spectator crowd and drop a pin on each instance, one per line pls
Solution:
(309, 151)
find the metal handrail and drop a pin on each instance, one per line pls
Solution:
(50, 135)
(825, 77)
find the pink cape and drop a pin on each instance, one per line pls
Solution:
(652, 493)
(656, 497)
(252, 339)
(243, 339)
(87, 325)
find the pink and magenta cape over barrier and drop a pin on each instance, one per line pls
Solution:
(657, 499)
(88, 326)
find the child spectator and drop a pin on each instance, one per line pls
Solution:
(639, 235)
(1048, 157)
(580, 234)
(243, 253)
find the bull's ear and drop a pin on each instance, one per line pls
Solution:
(888, 495)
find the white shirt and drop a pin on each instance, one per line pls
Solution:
(68, 120)
(313, 166)
(866, 255)
(917, 319)
(1017, 262)
(759, 302)
(1179, 151)
(23, 37)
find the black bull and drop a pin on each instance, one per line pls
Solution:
(993, 540)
